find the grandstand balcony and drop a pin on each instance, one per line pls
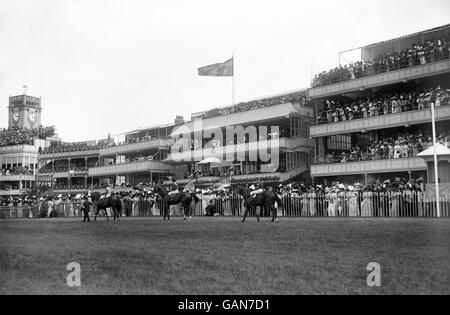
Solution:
(16, 178)
(298, 144)
(71, 154)
(392, 77)
(22, 148)
(135, 147)
(133, 167)
(12, 192)
(379, 122)
(369, 167)
(247, 178)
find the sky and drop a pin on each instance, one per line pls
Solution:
(112, 66)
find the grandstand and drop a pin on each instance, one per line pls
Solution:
(370, 127)
(364, 123)
(95, 165)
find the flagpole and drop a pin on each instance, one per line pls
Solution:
(436, 172)
(232, 79)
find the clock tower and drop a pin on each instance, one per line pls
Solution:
(24, 112)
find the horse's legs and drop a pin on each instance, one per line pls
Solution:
(106, 213)
(274, 213)
(257, 216)
(245, 213)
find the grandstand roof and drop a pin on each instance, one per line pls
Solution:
(443, 27)
(407, 36)
(254, 99)
(149, 127)
(256, 115)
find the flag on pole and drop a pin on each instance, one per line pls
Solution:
(225, 69)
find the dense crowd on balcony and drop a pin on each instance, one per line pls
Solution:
(16, 170)
(63, 147)
(396, 102)
(400, 145)
(297, 98)
(15, 136)
(431, 51)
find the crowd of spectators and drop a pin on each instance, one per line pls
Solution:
(396, 102)
(297, 98)
(15, 136)
(400, 198)
(400, 145)
(62, 147)
(431, 51)
(16, 170)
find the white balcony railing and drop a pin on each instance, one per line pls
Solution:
(298, 144)
(139, 146)
(381, 79)
(369, 167)
(134, 167)
(16, 178)
(23, 148)
(379, 122)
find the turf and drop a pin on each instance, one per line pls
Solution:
(225, 256)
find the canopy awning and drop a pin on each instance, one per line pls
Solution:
(268, 113)
(440, 150)
(210, 160)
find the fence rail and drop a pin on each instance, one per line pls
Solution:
(334, 205)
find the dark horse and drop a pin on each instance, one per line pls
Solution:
(183, 198)
(266, 199)
(112, 202)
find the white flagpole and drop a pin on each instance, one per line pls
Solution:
(233, 82)
(436, 173)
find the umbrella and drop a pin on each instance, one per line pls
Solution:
(210, 160)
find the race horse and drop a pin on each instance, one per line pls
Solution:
(112, 202)
(183, 198)
(266, 199)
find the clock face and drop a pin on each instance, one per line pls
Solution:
(16, 116)
(32, 116)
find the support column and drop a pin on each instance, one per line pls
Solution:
(366, 179)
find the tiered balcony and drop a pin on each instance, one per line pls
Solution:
(16, 178)
(380, 122)
(23, 148)
(426, 70)
(298, 144)
(12, 192)
(135, 147)
(71, 154)
(248, 178)
(64, 172)
(369, 167)
(133, 167)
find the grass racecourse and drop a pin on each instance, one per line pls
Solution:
(225, 256)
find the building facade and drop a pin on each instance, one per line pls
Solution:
(370, 129)
(19, 163)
